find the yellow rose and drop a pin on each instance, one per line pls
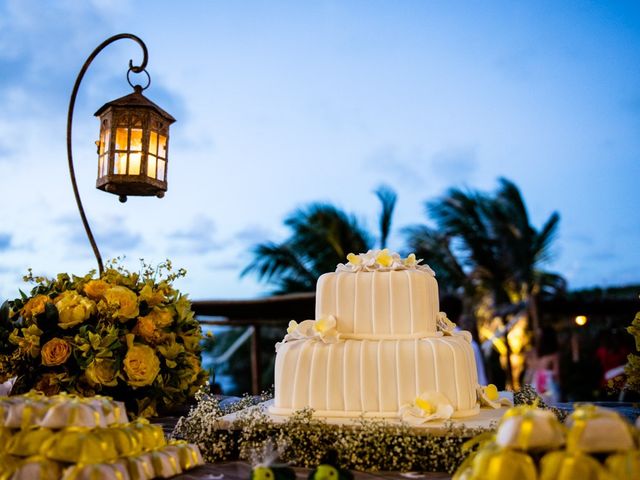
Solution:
(141, 365)
(123, 301)
(161, 317)
(102, 371)
(95, 289)
(35, 306)
(146, 329)
(151, 296)
(55, 352)
(73, 308)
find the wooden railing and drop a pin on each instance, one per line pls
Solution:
(256, 313)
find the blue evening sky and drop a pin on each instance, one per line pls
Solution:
(284, 103)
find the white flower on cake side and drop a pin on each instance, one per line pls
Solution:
(383, 261)
(447, 327)
(427, 407)
(488, 396)
(323, 329)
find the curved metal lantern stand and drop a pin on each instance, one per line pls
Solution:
(136, 69)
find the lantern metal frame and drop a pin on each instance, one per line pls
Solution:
(137, 190)
(134, 145)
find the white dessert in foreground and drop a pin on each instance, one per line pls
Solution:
(378, 346)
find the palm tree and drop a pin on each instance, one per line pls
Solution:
(321, 237)
(487, 242)
(484, 247)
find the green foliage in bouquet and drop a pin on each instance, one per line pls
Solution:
(632, 369)
(131, 336)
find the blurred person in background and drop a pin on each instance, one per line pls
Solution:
(543, 365)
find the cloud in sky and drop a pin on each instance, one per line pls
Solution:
(198, 238)
(283, 104)
(455, 165)
(5, 241)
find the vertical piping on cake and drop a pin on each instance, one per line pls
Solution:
(373, 303)
(435, 363)
(465, 368)
(417, 362)
(312, 376)
(398, 405)
(408, 275)
(295, 374)
(344, 375)
(362, 351)
(328, 370)
(455, 374)
(336, 295)
(390, 289)
(355, 304)
(277, 374)
(471, 369)
(379, 367)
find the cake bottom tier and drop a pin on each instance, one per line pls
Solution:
(373, 377)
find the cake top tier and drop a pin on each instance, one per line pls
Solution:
(382, 261)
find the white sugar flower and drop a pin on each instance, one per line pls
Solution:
(428, 406)
(490, 397)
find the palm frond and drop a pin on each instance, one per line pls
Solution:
(541, 247)
(388, 198)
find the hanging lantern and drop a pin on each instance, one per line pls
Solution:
(133, 147)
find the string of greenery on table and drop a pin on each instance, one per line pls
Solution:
(303, 440)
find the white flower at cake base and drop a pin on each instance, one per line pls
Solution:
(490, 397)
(428, 406)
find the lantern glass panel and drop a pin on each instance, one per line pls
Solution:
(136, 140)
(153, 143)
(161, 167)
(121, 138)
(102, 144)
(107, 138)
(134, 163)
(120, 167)
(151, 166)
(162, 147)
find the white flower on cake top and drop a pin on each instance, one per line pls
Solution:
(381, 261)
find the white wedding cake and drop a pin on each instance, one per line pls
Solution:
(379, 346)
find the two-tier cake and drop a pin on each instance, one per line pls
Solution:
(378, 346)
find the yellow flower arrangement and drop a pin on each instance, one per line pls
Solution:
(131, 336)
